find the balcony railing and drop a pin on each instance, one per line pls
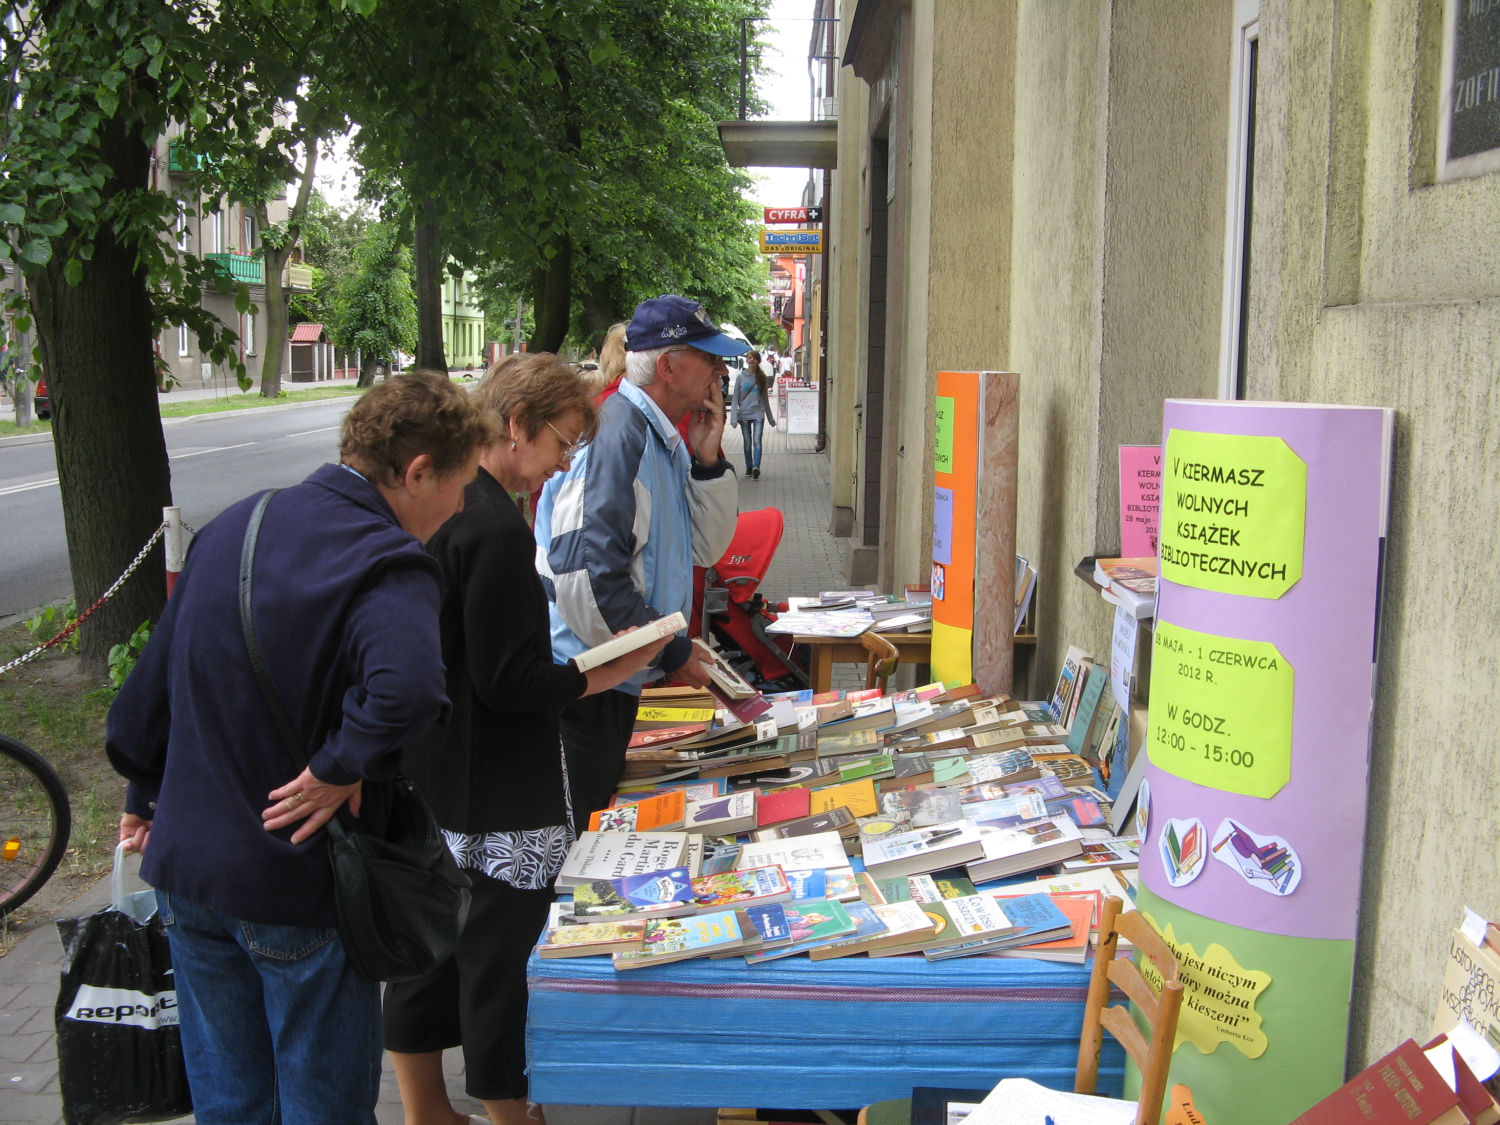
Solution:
(181, 160)
(239, 267)
(297, 277)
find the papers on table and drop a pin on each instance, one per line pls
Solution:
(1020, 1101)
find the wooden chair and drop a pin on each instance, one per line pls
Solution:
(1154, 1054)
(882, 661)
(1151, 1051)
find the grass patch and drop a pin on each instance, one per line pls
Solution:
(38, 426)
(250, 401)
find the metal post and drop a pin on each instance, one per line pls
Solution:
(172, 545)
(744, 63)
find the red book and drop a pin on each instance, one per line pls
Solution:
(1400, 1089)
(780, 805)
(1478, 1103)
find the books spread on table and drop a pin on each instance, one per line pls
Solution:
(617, 647)
(936, 792)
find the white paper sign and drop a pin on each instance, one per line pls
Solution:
(1122, 656)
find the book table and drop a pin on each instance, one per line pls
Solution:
(804, 1034)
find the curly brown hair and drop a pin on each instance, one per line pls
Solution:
(406, 416)
(541, 386)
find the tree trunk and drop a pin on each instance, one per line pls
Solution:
(276, 318)
(111, 456)
(367, 372)
(275, 259)
(552, 294)
(428, 257)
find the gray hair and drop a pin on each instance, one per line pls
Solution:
(640, 367)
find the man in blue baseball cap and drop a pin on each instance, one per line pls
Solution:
(619, 532)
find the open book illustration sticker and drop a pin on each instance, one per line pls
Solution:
(1143, 809)
(1183, 850)
(1267, 863)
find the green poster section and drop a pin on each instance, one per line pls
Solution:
(1284, 999)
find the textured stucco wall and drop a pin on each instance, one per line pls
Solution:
(1370, 284)
(1060, 62)
(847, 265)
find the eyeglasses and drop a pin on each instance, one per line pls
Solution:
(570, 448)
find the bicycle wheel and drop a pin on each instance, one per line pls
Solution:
(34, 823)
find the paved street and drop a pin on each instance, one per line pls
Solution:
(809, 559)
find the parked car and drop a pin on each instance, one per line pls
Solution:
(41, 401)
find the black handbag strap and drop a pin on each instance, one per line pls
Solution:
(268, 690)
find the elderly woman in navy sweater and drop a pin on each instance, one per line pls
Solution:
(276, 1026)
(494, 772)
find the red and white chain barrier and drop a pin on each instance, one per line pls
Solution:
(171, 528)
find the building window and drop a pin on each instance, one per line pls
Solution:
(216, 232)
(182, 340)
(182, 230)
(247, 332)
(247, 233)
(1241, 179)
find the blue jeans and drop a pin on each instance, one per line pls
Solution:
(751, 430)
(277, 1029)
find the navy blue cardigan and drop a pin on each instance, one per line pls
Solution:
(346, 608)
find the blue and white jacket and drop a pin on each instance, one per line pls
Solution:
(618, 534)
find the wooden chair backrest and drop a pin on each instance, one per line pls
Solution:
(1154, 1054)
(882, 660)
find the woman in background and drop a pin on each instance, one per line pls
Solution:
(750, 409)
(494, 773)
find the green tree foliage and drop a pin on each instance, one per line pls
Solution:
(376, 311)
(331, 241)
(89, 86)
(566, 149)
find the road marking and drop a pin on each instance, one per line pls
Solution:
(13, 489)
(323, 430)
(215, 449)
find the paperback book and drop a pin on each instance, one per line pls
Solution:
(659, 894)
(678, 939)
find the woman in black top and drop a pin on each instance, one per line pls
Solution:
(494, 773)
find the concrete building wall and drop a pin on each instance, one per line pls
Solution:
(1091, 138)
(1372, 284)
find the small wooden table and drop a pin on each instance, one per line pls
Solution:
(914, 648)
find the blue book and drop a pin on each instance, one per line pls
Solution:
(658, 893)
(809, 884)
(770, 923)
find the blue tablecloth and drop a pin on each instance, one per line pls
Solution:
(803, 1034)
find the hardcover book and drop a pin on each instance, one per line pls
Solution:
(1401, 1088)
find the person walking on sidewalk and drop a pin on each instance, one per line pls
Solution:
(751, 410)
(617, 534)
(276, 1024)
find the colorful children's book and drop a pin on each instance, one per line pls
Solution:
(751, 886)
(678, 939)
(659, 894)
(903, 921)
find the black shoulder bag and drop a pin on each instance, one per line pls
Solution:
(400, 897)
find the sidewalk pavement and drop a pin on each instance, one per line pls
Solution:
(794, 480)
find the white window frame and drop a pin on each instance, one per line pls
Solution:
(182, 231)
(247, 332)
(247, 233)
(182, 340)
(1246, 32)
(216, 232)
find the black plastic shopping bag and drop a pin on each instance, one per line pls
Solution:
(119, 1055)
